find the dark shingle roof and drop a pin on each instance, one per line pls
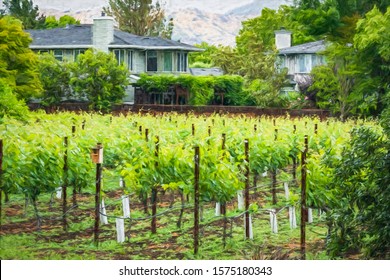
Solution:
(124, 38)
(81, 35)
(312, 47)
(67, 36)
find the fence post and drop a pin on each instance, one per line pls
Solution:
(247, 231)
(65, 185)
(97, 157)
(196, 199)
(154, 190)
(303, 200)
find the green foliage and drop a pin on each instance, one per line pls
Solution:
(340, 86)
(259, 31)
(202, 59)
(10, 105)
(52, 22)
(360, 213)
(98, 78)
(372, 42)
(25, 11)
(156, 83)
(361, 7)
(55, 77)
(201, 88)
(317, 22)
(18, 64)
(233, 88)
(140, 17)
(325, 87)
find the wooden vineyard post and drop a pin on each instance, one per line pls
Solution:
(74, 194)
(303, 200)
(146, 135)
(196, 199)
(73, 130)
(294, 170)
(273, 173)
(247, 231)
(1, 180)
(223, 205)
(97, 157)
(65, 186)
(154, 191)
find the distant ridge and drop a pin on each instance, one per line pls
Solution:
(216, 22)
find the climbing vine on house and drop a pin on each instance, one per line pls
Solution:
(202, 89)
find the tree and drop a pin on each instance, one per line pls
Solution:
(335, 85)
(52, 22)
(140, 17)
(205, 58)
(25, 11)
(372, 41)
(55, 77)
(97, 77)
(18, 63)
(10, 105)
(361, 181)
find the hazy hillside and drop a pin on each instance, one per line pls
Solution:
(216, 22)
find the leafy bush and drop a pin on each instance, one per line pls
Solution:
(99, 79)
(265, 95)
(202, 88)
(360, 215)
(10, 105)
(55, 77)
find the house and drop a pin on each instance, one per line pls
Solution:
(140, 54)
(300, 59)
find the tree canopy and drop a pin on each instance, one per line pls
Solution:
(98, 78)
(18, 63)
(26, 12)
(52, 22)
(140, 17)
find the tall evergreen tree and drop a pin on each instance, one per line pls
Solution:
(25, 11)
(140, 17)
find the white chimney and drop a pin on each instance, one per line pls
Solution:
(102, 32)
(282, 39)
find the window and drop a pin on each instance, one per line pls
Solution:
(120, 56)
(151, 61)
(77, 53)
(58, 54)
(124, 56)
(304, 63)
(168, 61)
(182, 62)
(130, 60)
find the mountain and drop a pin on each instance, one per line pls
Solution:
(216, 22)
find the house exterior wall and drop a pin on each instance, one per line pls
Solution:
(139, 62)
(301, 63)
